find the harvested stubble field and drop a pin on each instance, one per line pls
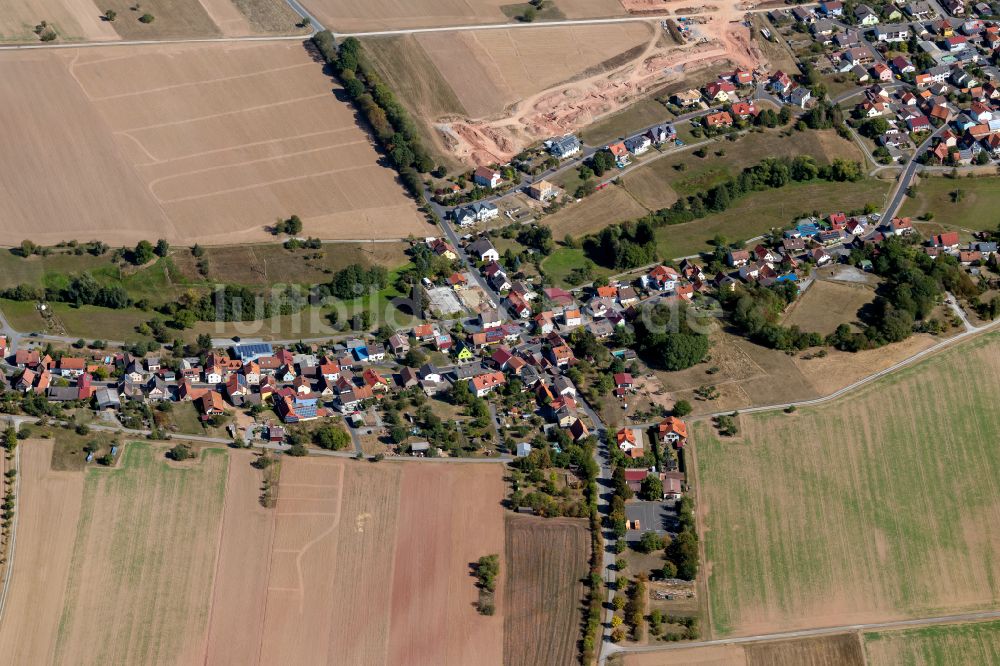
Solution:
(49, 507)
(546, 564)
(81, 20)
(946, 645)
(872, 507)
(194, 143)
(609, 206)
(359, 15)
(143, 559)
(155, 562)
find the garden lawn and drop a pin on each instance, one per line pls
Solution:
(560, 264)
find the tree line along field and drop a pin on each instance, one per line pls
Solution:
(660, 183)
(877, 505)
(84, 20)
(206, 143)
(160, 562)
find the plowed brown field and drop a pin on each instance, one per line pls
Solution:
(547, 560)
(203, 143)
(370, 564)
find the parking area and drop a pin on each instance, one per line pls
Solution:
(660, 517)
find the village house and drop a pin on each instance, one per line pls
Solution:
(720, 119)
(631, 442)
(486, 177)
(484, 384)
(673, 431)
(543, 190)
(563, 147)
(687, 98)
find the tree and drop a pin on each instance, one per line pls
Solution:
(110, 15)
(649, 542)
(681, 408)
(487, 569)
(147, 18)
(197, 251)
(143, 253)
(874, 127)
(10, 439)
(331, 438)
(651, 488)
(180, 452)
(529, 14)
(162, 248)
(683, 552)
(28, 248)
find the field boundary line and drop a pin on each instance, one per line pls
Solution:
(222, 114)
(236, 165)
(8, 574)
(189, 84)
(277, 181)
(254, 144)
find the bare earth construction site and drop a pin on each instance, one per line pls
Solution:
(195, 143)
(492, 93)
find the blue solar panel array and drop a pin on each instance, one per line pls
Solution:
(251, 352)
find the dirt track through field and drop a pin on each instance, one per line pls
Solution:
(195, 143)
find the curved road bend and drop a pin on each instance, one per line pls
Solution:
(907, 176)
